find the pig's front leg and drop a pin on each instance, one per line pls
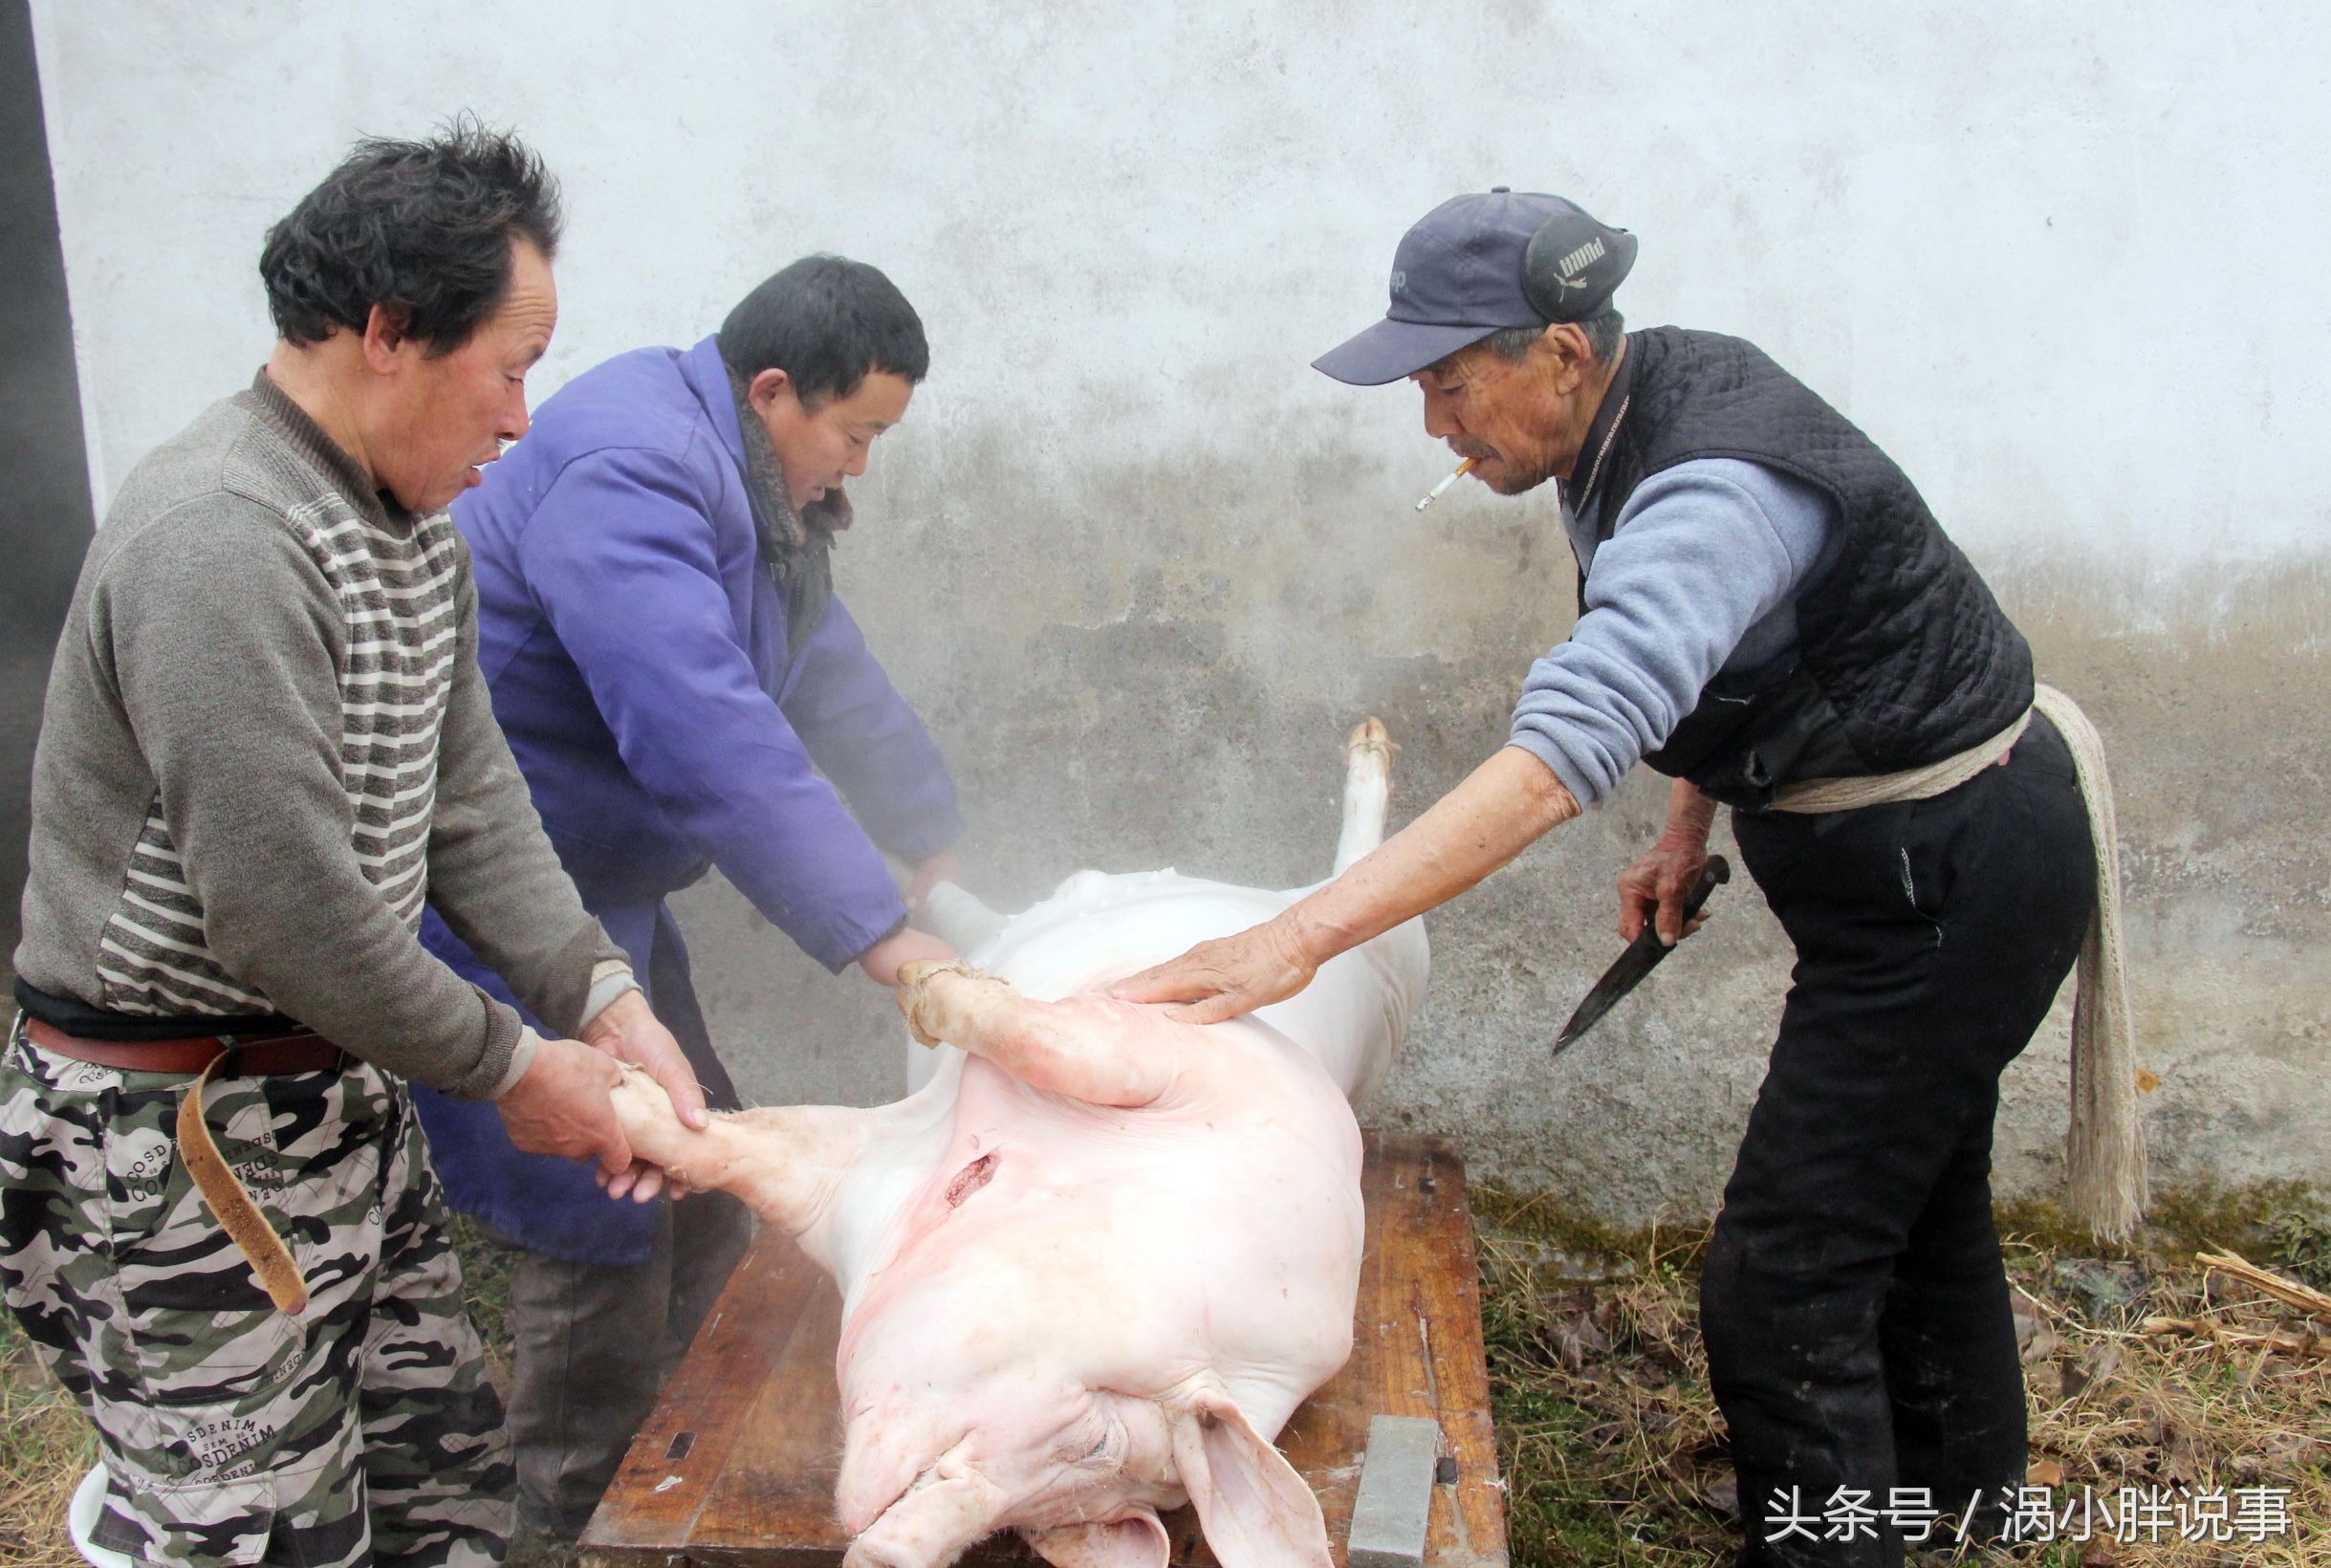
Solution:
(782, 1162)
(1089, 1048)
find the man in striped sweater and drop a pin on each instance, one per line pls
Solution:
(266, 742)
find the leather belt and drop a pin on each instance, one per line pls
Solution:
(306, 1052)
(203, 1056)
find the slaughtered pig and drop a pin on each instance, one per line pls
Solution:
(1093, 1264)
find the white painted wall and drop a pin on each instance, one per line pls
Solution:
(1141, 569)
(2066, 260)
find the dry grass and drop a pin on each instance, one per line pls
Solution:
(1612, 1449)
(45, 1450)
(1614, 1453)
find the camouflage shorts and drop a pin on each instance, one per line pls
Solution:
(362, 1431)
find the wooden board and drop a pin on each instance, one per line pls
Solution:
(737, 1463)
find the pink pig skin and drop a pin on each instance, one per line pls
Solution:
(1090, 1267)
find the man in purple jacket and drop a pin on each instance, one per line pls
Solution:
(682, 690)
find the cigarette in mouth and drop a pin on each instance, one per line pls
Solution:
(1442, 489)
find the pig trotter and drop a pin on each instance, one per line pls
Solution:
(923, 1012)
(1086, 1047)
(1371, 738)
(1367, 784)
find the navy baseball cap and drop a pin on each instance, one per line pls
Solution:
(1479, 264)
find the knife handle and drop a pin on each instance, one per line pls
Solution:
(1718, 870)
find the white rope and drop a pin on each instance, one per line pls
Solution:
(2106, 1146)
(1810, 796)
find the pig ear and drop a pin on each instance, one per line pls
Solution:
(1256, 1509)
(1135, 1542)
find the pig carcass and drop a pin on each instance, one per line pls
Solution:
(1094, 1263)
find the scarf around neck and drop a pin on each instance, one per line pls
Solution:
(796, 542)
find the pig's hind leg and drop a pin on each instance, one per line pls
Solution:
(1367, 791)
(1087, 1047)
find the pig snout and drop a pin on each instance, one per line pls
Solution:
(1078, 1472)
(947, 1508)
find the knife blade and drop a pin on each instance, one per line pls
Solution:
(1642, 956)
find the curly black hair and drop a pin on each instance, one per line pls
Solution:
(425, 227)
(826, 321)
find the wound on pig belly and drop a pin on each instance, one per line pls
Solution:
(970, 1179)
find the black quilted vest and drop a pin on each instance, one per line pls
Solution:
(1904, 658)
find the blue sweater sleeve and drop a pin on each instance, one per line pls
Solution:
(869, 742)
(621, 557)
(1703, 552)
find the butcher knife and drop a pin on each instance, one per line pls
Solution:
(1641, 958)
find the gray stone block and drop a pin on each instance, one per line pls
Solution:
(1396, 1477)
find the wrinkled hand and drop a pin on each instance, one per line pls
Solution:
(882, 960)
(928, 874)
(625, 1030)
(561, 1106)
(1656, 887)
(1224, 978)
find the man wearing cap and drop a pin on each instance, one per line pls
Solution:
(1769, 615)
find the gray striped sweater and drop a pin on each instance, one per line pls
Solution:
(266, 743)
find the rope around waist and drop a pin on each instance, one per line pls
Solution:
(1811, 796)
(2106, 1143)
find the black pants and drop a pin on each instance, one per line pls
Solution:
(1853, 1300)
(593, 1345)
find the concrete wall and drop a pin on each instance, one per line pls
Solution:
(1142, 568)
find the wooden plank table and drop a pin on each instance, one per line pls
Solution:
(736, 1466)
